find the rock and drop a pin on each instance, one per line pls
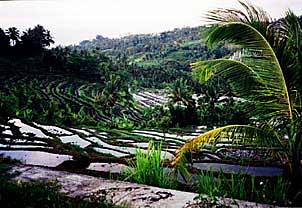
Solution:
(219, 202)
(121, 193)
(117, 192)
(108, 167)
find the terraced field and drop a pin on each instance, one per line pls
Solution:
(151, 99)
(74, 96)
(108, 151)
(96, 147)
(30, 142)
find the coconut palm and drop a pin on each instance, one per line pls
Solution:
(259, 77)
(13, 34)
(115, 90)
(289, 49)
(181, 93)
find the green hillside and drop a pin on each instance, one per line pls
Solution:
(95, 83)
(177, 48)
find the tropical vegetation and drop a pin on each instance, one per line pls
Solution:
(77, 85)
(262, 75)
(142, 100)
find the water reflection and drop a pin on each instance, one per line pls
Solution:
(37, 157)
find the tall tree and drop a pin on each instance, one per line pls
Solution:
(4, 42)
(181, 93)
(14, 35)
(257, 76)
(115, 90)
(36, 39)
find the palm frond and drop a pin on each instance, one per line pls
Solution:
(244, 82)
(254, 16)
(238, 134)
(258, 55)
(229, 69)
(290, 29)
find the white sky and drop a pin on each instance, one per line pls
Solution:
(71, 21)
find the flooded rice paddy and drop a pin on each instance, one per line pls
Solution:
(43, 145)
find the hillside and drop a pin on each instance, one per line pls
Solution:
(172, 49)
(104, 82)
(213, 111)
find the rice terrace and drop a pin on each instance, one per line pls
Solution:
(206, 115)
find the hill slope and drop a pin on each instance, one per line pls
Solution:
(176, 49)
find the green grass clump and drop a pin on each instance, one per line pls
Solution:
(148, 168)
(240, 186)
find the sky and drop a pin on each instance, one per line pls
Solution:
(71, 21)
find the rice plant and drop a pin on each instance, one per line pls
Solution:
(240, 186)
(147, 168)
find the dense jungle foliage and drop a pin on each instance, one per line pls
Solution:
(92, 83)
(266, 73)
(240, 78)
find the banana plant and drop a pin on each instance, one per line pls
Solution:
(255, 75)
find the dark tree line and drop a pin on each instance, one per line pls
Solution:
(30, 43)
(29, 51)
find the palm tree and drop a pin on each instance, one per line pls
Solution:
(259, 77)
(214, 92)
(13, 34)
(4, 42)
(180, 93)
(289, 49)
(115, 90)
